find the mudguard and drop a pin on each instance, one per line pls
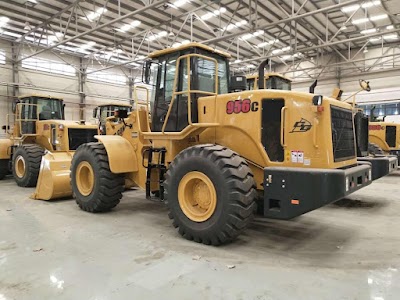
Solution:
(5, 148)
(121, 155)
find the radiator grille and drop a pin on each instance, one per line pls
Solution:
(78, 137)
(342, 134)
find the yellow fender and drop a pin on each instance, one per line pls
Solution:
(5, 148)
(54, 181)
(121, 155)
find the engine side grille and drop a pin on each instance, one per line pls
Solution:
(78, 137)
(342, 134)
(361, 128)
(391, 136)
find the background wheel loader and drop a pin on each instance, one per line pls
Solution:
(102, 112)
(384, 136)
(213, 155)
(41, 144)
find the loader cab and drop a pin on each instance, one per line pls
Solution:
(170, 68)
(102, 112)
(29, 109)
(273, 81)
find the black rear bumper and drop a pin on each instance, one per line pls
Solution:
(397, 154)
(381, 165)
(291, 192)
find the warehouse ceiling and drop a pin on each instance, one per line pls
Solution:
(123, 32)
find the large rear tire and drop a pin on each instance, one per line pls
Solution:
(3, 168)
(210, 192)
(94, 186)
(26, 164)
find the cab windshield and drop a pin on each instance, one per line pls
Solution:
(44, 108)
(278, 83)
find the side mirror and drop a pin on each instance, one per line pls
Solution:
(95, 112)
(147, 71)
(14, 105)
(365, 85)
(317, 100)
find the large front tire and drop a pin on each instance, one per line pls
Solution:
(26, 164)
(210, 192)
(94, 186)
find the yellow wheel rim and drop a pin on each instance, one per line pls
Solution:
(20, 167)
(85, 178)
(197, 196)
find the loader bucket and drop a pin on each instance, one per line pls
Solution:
(54, 180)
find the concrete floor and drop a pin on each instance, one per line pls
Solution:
(53, 250)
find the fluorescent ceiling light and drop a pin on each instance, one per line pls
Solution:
(32, 1)
(277, 51)
(360, 21)
(378, 17)
(350, 8)
(179, 3)
(126, 27)
(158, 35)
(217, 12)
(177, 44)
(9, 33)
(88, 45)
(286, 48)
(95, 14)
(370, 4)
(238, 61)
(262, 45)
(354, 7)
(389, 27)
(233, 26)
(3, 20)
(375, 39)
(391, 37)
(367, 31)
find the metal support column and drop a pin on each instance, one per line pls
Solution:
(130, 86)
(82, 95)
(15, 69)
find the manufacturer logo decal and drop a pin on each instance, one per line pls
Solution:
(301, 126)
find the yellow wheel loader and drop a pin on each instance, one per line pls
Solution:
(41, 144)
(384, 136)
(102, 112)
(212, 156)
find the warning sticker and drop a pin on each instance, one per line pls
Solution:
(307, 162)
(294, 156)
(300, 157)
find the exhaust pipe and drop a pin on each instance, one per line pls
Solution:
(261, 73)
(312, 87)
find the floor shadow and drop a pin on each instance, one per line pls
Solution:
(359, 204)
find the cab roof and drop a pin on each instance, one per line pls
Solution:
(40, 96)
(268, 74)
(115, 104)
(187, 46)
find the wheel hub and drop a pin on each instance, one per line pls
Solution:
(85, 178)
(197, 196)
(20, 166)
